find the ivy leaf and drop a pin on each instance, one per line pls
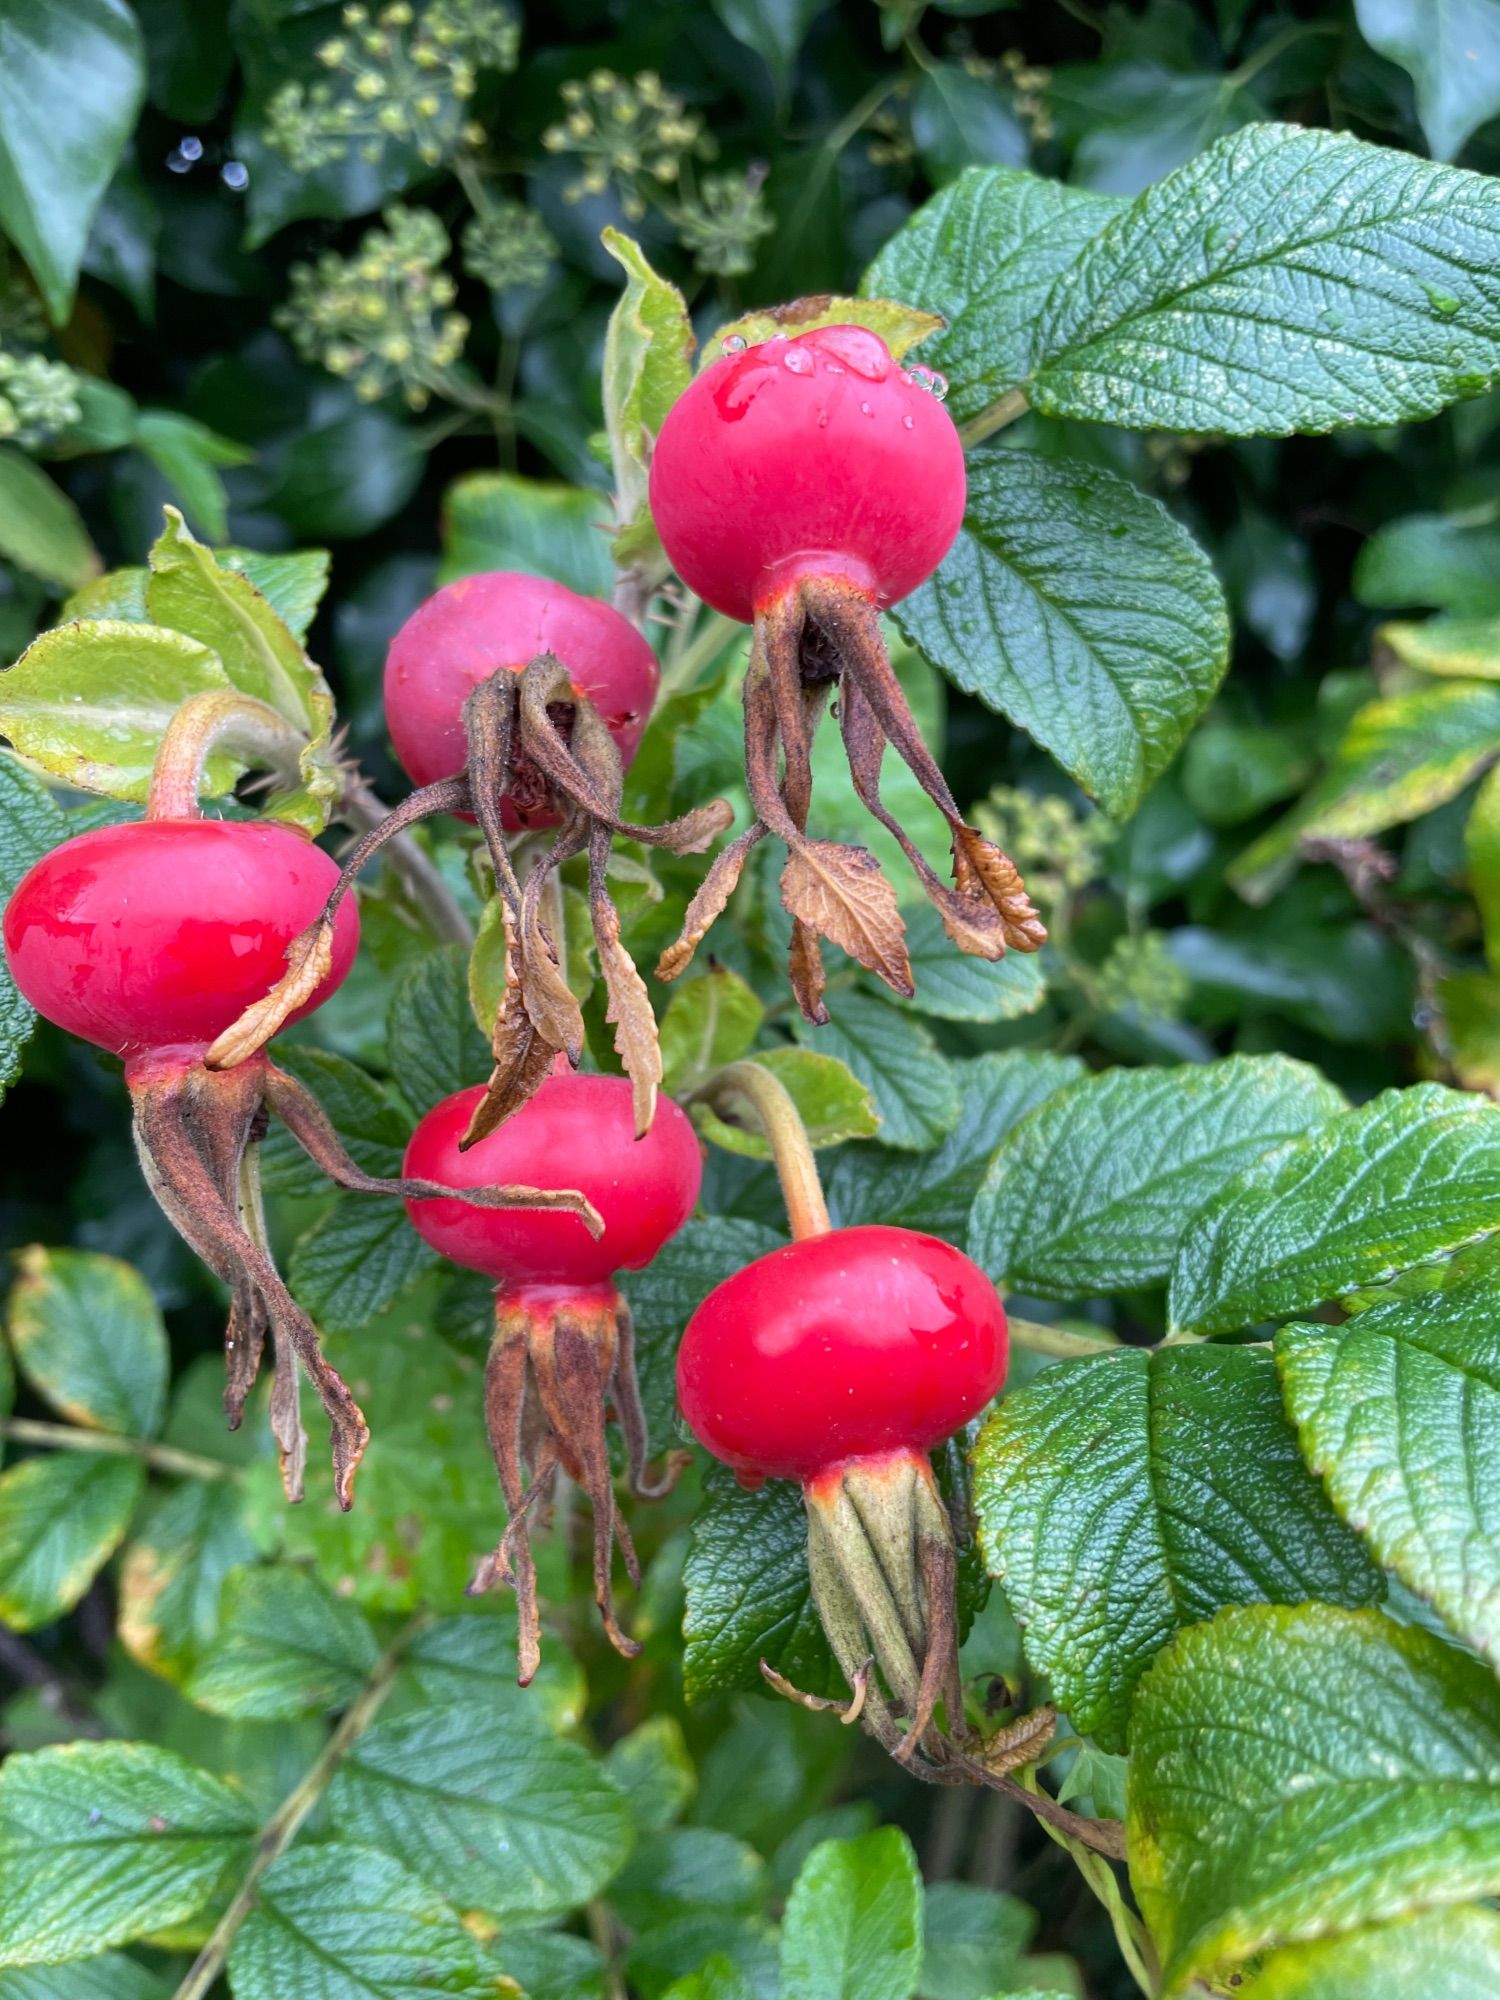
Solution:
(498, 1817)
(897, 1061)
(1399, 1410)
(984, 253)
(30, 825)
(541, 527)
(434, 1045)
(1285, 280)
(189, 456)
(70, 87)
(1450, 562)
(61, 1518)
(1087, 1195)
(1101, 1494)
(1451, 51)
(1407, 1179)
(358, 1258)
(1451, 1954)
(647, 364)
(89, 703)
(347, 1920)
(1081, 610)
(172, 1575)
(41, 531)
(1399, 758)
(286, 1646)
(88, 1336)
(853, 1925)
(935, 1191)
(774, 29)
(833, 1104)
(104, 1842)
(1349, 1769)
(748, 1597)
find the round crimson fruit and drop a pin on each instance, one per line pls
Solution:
(847, 1345)
(160, 933)
(467, 630)
(576, 1132)
(814, 456)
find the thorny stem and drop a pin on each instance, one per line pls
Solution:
(282, 1828)
(750, 1084)
(365, 811)
(160, 1457)
(224, 720)
(1004, 410)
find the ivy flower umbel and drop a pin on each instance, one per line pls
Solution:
(1141, 972)
(629, 133)
(722, 223)
(381, 318)
(507, 246)
(1057, 848)
(396, 74)
(38, 399)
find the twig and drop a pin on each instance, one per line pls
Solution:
(1004, 410)
(278, 1833)
(160, 1457)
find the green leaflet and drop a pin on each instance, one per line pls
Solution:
(1284, 280)
(285, 1646)
(1349, 1769)
(1088, 1194)
(1407, 1179)
(89, 1337)
(853, 1926)
(62, 1516)
(897, 1061)
(1102, 1494)
(1080, 609)
(30, 824)
(647, 365)
(498, 520)
(1399, 1410)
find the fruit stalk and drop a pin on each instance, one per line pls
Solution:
(750, 1087)
(233, 724)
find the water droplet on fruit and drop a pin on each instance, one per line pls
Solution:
(859, 349)
(733, 343)
(865, 410)
(907, 424)
(835, 367)
(939, 386)
(921, 378)
(798, 361)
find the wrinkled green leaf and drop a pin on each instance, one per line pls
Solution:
(1124, 1496)
(1405, 1180)
(358, 1258)
(952, 986)
(1349, 1768)
(30, 824)
(498, 520)
(1080, 609)
(435, 1047)
(897, 1061)
(286, 1646)
(1087, 1195)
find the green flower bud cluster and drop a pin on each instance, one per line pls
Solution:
(38, 398)
(507, 246)
(381, 318)
(1058, 849)
(402, 73)
(1140, 972)
(722, 222)
(629, 133)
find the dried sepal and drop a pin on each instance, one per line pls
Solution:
(709, 902)
(628, 1010)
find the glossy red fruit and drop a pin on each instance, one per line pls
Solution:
(162, 932)
(576, 1132)
(852, 1344)
(815, 456)
(469, 628)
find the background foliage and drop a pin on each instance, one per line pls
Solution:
(333, 280)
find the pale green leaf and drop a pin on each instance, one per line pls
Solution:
(1407, 1179)
(1080, 609)
(104, 1842)
(1284, 280)
(654, 1768)
(1124, 1496)
(853, 1925)
(1482, 850)
(1456, 648)
(1451, 51)
(172, 1575)
(984, 253)
(1450, 562)
(71, 82)
(1399, 1410)
(1088, 1194)
(540, 527)
(41, 531)
(647, 365)
(286, 1646)
(89, 703)
(495, 1816)
(1299, 1773)
(89, 1338)
(832, 1103)
(62, 1517)
(901, 327)
(1450, 1954)
(711, 1020)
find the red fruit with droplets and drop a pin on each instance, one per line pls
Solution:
(852, 1344)
(576, 1132)
(468, 629)
(162, 932)
(818, 456)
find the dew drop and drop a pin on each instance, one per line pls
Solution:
(939, 386)
(733, 343)
(859, 349)
(906, 424)
(835, 368)
(797, 361)
(865, 410)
